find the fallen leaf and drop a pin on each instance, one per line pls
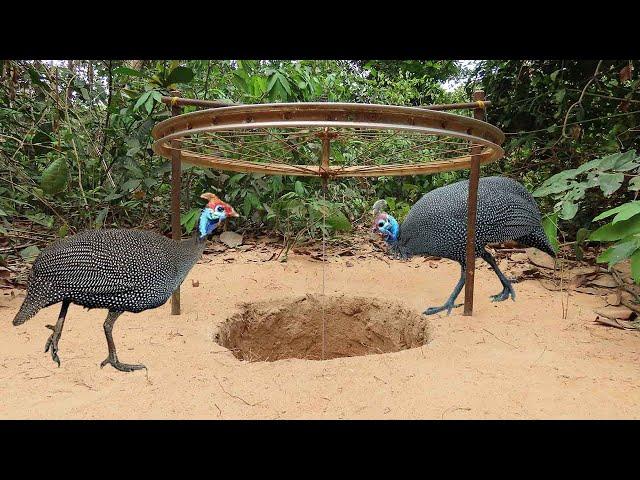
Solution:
(540, 259)
(231, 239)
(604, 280)
(613, 299)
(621, 313)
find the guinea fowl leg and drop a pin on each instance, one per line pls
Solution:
(113, 356)
(449, 304)
(52, 342)
(506, 284)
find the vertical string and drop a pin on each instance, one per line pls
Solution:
(324, 229)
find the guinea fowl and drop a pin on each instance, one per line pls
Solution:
(437, 225)
(122, 270)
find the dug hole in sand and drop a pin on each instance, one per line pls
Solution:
(521, 359)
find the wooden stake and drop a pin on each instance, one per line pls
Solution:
(176, 173)
(472, 203)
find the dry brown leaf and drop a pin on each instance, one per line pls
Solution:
(604, 280)
(621, 313)
(540, 259)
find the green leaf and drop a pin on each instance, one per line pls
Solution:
(41, 219)
(582, 235)
(569, 210)
(560, 95)
(626, 161)
(189, 219)
(55, 176)
(299, 188)
(180, 75)
(30, 253)
(619, 252)
(101, 216)
(610, 182)
(128, 71)
(143, 98)
(149, 104)
(622, 208)
(550, 227)
(632, 208)
(130, 185)
(634, 184)
(554, 75)
(616, 231)
(635, 266)
(338, 221)
(63, 231)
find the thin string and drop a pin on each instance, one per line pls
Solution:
(324, 229)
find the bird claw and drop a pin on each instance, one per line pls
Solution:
(123, 367)
(52, 343)
(447, 306)
(503, 295)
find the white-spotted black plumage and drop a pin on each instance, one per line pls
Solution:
(437, 225)
(117, 269)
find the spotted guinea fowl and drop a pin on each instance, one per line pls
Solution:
(437, 225)
(122, 270)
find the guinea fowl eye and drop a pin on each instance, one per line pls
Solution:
(220, 208)
(381, 224)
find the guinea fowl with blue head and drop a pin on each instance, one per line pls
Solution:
(122, 270)
(437, 225)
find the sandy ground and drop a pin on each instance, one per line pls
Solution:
(510, 361)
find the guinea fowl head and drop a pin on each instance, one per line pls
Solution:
(387, 227)
(214, 214)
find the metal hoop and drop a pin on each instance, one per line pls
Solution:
(330, 117)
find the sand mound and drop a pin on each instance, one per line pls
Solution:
(293, 328)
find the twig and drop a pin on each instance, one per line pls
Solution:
(498, 338)
(579, 102)
(235, 396)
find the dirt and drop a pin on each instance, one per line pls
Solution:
(522, 359)
(316, 327)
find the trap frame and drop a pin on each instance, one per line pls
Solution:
(330, 140)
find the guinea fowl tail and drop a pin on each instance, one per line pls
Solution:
(28, 309)
(538, 239)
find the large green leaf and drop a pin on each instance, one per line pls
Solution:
(550, 227)
(338, 221)
(55, 176)
(180, 75)
(610, 182)
(624, 212)
(619, 252)
(615, 231)
(143, 98)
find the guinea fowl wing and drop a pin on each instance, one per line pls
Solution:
(102, 262)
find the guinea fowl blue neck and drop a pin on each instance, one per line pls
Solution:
(209, 221)
(388, 228)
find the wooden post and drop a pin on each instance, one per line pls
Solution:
(176, 173)
(472, 204)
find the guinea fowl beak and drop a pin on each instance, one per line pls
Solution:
(232, 212)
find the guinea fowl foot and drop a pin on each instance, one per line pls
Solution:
(447, 306)
(504, 294)
(52, 343)
(123, 367)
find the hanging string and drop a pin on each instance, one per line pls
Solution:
(324, 229)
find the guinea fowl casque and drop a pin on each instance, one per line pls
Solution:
(122, 270)
(437, 225)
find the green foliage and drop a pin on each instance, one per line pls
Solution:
(55, 176)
